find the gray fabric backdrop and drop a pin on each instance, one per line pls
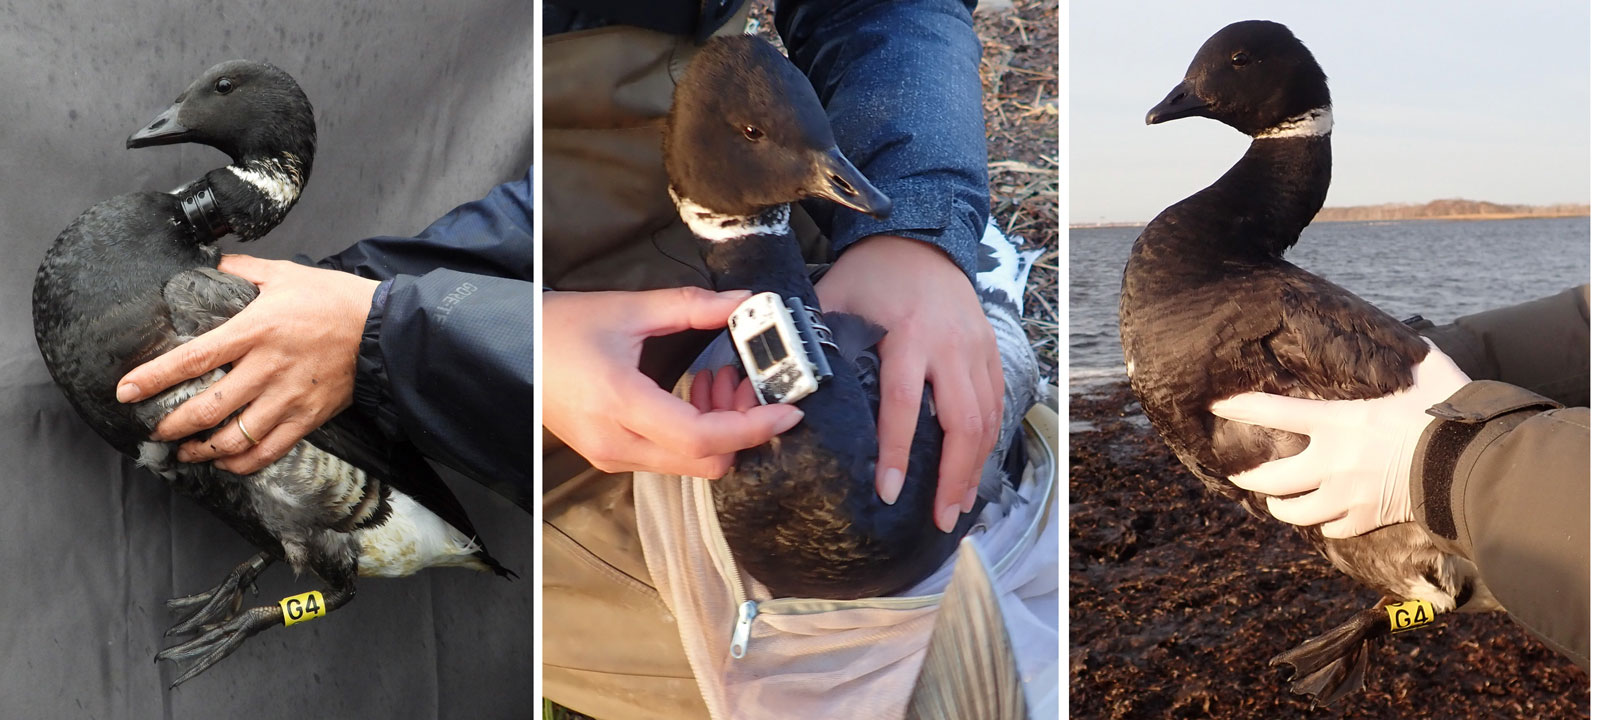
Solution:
(420, 106)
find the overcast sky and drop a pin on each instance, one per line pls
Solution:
(1485, 101)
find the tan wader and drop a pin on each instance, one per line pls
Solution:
(611, 649)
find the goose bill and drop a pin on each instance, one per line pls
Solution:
(841, 182)
(164, 130)
(1182, 102)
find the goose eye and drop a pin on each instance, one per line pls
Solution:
(753, 133)
(224, 86)
(1241, 59)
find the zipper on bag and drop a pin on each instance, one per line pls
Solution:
(739, 646)
(741, 629)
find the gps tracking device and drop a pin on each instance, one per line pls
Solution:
(780, 343)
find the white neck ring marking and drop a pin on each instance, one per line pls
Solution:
(1315, 123)
(278, 180)
(715, 227)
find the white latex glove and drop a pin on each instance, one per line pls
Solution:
(1356, 473)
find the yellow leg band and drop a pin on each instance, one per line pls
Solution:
(1410, 615)
(309, 606)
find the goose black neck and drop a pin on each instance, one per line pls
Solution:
(765, 262)
(1269, 196)
(249, 197)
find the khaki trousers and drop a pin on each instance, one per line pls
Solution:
(611, 649)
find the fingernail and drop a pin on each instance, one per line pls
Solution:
(789, 421)
(126, 392)
(970, 500)
(889, 487)
(734, 294)
(184, 455)
(948, 516)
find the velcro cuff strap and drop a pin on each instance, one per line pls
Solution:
(1468, 422)
(1439, 461)
(1485, 399)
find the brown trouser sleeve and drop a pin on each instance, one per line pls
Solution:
(1502, 478)
(611, 647)
(1541, 345)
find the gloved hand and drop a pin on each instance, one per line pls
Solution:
(1356, 472)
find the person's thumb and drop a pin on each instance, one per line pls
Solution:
(254, 269)
(1438, 374)
(662, 312)
(1267, 410)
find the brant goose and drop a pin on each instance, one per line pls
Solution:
(1210, 309)
(746, 137)
(135, 276)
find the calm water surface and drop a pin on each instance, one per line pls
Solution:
(1440, 270)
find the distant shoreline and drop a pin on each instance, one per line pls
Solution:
(1481, 216)
(1472, 216)
(1436, 210)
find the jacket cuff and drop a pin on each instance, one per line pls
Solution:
(1468, 423)
(924, 209)
(371, 392)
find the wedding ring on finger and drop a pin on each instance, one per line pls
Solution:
(239, 420)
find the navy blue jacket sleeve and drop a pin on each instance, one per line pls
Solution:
(446, 359)
(899, 79)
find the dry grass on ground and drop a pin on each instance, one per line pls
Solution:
(1021, 72)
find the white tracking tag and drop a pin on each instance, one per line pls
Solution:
(770, 345)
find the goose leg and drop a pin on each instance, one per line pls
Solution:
(220, 602)
(221, 640)
(1334, 664)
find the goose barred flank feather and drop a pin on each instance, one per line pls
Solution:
(970, 672)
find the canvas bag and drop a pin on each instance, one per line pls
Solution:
(815, 658)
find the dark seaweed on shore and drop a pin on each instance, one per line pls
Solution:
(1178, 599)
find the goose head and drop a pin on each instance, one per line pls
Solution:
(244, 108)
(259, 117)
(746, 133)
(1253, 76)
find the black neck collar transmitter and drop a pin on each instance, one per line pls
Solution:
(200, 207)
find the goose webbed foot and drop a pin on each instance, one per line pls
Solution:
(221, 602)
(1334, 664)
(220, 640)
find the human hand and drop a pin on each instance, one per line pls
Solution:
(722, 390)
(1356, 473)
(599, 404)
(293, 351)
(937, 333)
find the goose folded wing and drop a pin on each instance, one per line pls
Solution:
(1339, 344)
(199, 300)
